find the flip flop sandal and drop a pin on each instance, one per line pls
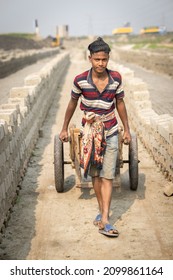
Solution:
(106, 231)
(97, 220)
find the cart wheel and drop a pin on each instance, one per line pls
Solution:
(58, 164)
(133, 162)
(117, 180)
(117, 170)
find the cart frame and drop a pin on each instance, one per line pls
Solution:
(74, 154)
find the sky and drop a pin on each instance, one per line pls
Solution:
(84, 17)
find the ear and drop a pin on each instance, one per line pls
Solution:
(89, 57)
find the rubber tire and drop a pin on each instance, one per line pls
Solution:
(117, 171)
(58, 164)
(133, 162)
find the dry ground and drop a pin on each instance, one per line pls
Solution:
(49, 225)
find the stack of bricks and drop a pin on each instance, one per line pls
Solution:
(12, 61)
(155, 131)
(161, 62)
(20, 121)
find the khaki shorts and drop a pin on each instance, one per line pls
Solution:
(109, 160)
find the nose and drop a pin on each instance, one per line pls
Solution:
(100, 62)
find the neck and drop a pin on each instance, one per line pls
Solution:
(99, 75)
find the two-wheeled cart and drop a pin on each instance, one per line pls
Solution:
(74, 159)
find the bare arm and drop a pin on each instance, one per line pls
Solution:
(68, 115)
(121, 108)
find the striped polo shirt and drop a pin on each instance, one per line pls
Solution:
(99, 102)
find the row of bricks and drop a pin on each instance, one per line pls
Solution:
(155, 131)
(20, 122)
(162, 62)
(14, 62)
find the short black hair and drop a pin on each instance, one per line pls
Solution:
(99, 45)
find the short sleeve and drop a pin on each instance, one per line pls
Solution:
(120, 90)
(76, 90)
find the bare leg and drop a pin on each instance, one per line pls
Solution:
(97, 188)
(106, 193)
(103, 191)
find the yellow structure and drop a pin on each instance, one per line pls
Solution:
(122, 30)
(56, 41)
(150, 30)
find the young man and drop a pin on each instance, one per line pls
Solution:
(100, 90)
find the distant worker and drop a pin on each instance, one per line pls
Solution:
(100, 90)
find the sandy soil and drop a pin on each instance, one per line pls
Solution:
(49, 225)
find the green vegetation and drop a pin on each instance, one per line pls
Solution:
(147, 41)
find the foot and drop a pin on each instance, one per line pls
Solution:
(108, 230)
(97, 220)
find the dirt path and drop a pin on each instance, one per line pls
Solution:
(49, 225)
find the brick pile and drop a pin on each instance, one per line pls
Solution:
(161, 62)
(20, 122)
(155, 131)
(12, 61)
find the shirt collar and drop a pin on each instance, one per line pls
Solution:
(90, 81)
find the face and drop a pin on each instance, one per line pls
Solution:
(99, 61)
